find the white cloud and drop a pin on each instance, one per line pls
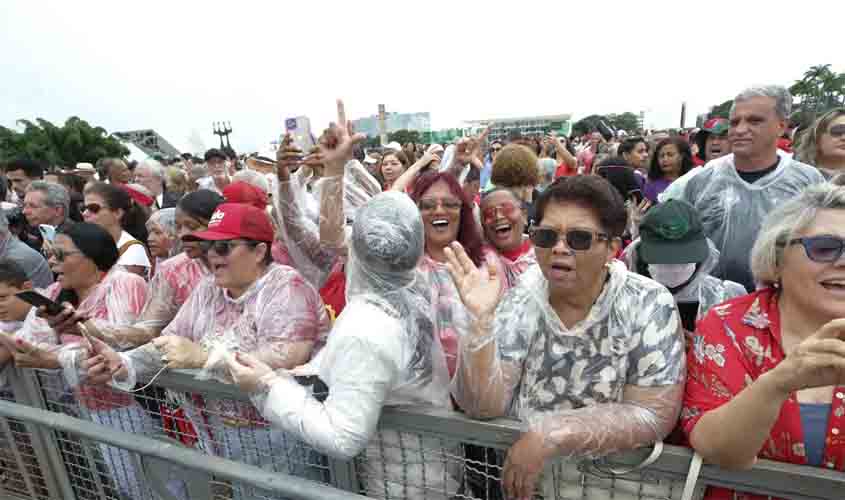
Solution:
(178, 66)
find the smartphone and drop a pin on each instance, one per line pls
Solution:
(37, 300)
(300, 131)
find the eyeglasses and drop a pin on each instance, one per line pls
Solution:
(837, 131)
(224, 247)
(430, 204)
(496, 149)
(823, 248)
(576, 239)
(60, 254)
(506, 209)
(94, 208)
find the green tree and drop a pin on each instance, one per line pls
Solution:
(405, 136)
(587, 124)
(820, 90)
(627, 121)
(74, 142)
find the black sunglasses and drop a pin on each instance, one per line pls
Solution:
(94, 208)
(576, 239)
(224, 247)
(823, 248)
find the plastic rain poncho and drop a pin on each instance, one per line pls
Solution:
(279, 309)
(382, 351)
(116, 301)
(174, 280)
(733, 210)
(612, 382)
(702, 288)
(305, 239)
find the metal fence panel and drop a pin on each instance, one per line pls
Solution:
(197, 439)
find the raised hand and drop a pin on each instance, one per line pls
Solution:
(818, 361)
(288, 157)
(337, 142)
(480, 290)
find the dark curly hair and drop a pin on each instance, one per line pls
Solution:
(654, 170)
(593, 193)
(515, 166)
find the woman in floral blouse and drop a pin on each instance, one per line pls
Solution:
(767, 370)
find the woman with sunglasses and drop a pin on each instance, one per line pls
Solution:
(100, 294)
(823, 144)
(589, 355)
(251, 305)
(504, 218)
(111, 207)
(447, 217)
(767, 370)
(175, 278)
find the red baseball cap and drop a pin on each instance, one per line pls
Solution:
(235, 221)
(136, 192)
(246, 193)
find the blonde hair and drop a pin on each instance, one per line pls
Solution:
(785, 222)
(807, 149)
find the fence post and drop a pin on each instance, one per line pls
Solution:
(343, 474)
(26, 390)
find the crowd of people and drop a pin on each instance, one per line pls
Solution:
(611, 291)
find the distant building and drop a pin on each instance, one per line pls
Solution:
(148, 141)
(526, 125)
(420, 122)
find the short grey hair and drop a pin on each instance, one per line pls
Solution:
(785, 223)
(253, 177)
(782, 97)
(55, 195)
(156, 169)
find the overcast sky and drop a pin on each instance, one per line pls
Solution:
(176, 66)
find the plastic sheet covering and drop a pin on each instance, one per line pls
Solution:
(732, 210)
(173, 282)
(300, 235)
(315, 244)
(116, 301)
(280, 308)
(623, 362)
(513, 269)
(705, 289)
(382, 351)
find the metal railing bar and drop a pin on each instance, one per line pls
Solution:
(289, 486)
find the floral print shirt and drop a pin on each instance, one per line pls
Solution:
(735, 344)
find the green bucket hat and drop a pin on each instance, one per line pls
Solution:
(671, 233)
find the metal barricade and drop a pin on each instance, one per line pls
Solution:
(190, 439)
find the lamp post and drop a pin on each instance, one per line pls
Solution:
(223, 129)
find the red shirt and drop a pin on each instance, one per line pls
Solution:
(732, 346)
(564, 170)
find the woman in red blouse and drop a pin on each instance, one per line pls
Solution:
(766, 372)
